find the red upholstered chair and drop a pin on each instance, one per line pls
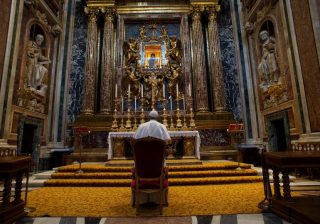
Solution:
(149, 175)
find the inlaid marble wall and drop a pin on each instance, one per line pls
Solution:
(214, 137)
(229, 64)
(75, 94)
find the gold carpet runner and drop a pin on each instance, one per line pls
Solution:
(183, 175)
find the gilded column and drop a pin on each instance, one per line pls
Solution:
(215, 60)
(91, 63)
(107, 62)
(199, 69)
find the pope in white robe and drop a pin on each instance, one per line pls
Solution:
(152, 128)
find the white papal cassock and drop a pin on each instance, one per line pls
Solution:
(154, 129)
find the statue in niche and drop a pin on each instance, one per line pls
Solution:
(131, 52)
(36, 71)
(268, 67)
(174, 51)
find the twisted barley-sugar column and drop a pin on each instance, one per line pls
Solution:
(107, 62)
(215, 60)
(91, 62)
(199, 69)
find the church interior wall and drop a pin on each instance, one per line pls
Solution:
(62, 104)
(308, 58)
(278, 96)
(5, 17)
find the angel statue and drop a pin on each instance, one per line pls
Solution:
(174, 51)
(131, 49)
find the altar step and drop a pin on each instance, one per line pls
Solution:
(169, 162)
(179, 175)
(92, 156)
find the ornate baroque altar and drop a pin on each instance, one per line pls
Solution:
(154, 57)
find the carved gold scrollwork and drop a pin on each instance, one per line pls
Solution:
(142, 67)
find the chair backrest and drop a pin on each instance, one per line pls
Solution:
(148, 154)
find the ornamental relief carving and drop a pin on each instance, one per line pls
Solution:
(34, 5)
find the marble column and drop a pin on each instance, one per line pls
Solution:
(107, 62)
(215, 61)
(91, 63)
(185, 39)
(199, 69)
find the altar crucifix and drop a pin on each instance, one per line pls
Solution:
(155, 82)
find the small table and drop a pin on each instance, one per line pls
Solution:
(13, 167)
(283, 205)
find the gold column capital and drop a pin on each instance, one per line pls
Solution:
(212, 11)
(109, 12)
(196, 12)
(92, 13)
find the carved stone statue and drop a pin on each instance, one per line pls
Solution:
(36, 71)
(268, 67)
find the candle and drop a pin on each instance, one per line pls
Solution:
(116, 91)
(135, 103)
(121, 104)
(177, 90)
(170, 102)
(129, 91)
(164, 91)
(141, 90)
(184, 103)
(189, 89)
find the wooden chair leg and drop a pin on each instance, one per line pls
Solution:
(161, 201)
(137, 202)
(133, 195)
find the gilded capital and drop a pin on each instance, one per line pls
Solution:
(196, 13)
(212, 12)
(92, 14)
(109, 13)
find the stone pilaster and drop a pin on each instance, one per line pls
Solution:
(199, 69)
(91, 63)
(215, 60)
(107, 62)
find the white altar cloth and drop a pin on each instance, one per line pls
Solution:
(172, 134)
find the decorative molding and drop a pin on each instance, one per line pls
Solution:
(54, 28)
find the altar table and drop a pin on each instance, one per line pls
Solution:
(114, 136)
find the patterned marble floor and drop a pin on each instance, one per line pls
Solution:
(264, 218)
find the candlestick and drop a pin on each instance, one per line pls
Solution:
(116, 91)
(189, 89)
